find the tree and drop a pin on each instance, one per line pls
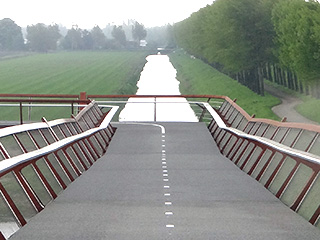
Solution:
(235, 35)
(87, 39)
(10, 36)
(53, 36)
(119, 35)
(138, 32)
(42, 38)
(297, 25)
(74, 39)
(98, 38)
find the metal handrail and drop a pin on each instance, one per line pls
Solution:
(72, 144)
(246, 159)
(8, 164)
(220, 121)
(310, 127)
(9, 95)
(270, 143)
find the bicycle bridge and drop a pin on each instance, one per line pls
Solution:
(90, 178)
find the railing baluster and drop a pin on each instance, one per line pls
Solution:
(28, 190)
(14, 209)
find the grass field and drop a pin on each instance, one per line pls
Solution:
(309, 108)
(72, 73)
(113, 73)
(197, 77)
(69, 73)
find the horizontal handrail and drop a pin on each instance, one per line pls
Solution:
(270, 143)
(8, 164)
(64, 148)
(157, 96)
(310, 127)
(85, 100)
(39, 125)
(40, 105)
(10, 100)
(263, 158)
(222, 128)
(9, 95)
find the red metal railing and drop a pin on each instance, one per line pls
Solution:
(39, 160)
(25, 99)
(284, 157)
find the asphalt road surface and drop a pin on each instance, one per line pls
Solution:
(166, 181)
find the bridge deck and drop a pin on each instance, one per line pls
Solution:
(127, 194)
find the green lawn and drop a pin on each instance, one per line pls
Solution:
(72, 72)
(69, 73)
(113, 73)
(309, 108)
(196, 77)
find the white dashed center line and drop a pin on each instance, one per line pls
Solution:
(167, 195)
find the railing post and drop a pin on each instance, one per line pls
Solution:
(21, 117)
(203, 111)
(82, 98)
(29, 110)
(72, 110)
(155, 109)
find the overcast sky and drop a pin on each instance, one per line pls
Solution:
(87, 14)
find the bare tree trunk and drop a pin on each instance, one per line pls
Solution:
(260, 81)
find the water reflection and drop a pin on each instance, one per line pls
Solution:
(158, 78)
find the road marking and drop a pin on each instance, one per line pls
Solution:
(168, 213)
(167, 203)
(167, 194)
(165, 179)
(170, 226)
(165, 171)
(166, 186)
(165, 175)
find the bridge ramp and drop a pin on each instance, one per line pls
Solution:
(166, 181)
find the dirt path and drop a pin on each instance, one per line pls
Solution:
(286, 108)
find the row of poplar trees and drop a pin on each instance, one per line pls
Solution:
(253, 40)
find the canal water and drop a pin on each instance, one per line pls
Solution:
(158, 78)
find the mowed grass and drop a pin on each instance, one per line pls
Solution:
(196, 77)
(72, 73)
(309, 108)
(69, 73)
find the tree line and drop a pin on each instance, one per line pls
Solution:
(44, 38)
(253, 40)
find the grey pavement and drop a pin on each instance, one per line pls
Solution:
(175, 185)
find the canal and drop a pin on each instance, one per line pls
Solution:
(158, 78)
